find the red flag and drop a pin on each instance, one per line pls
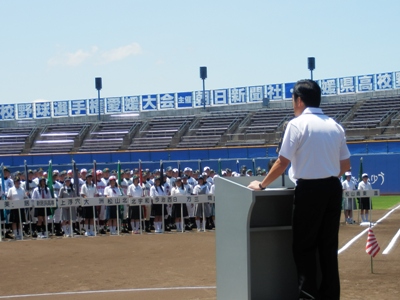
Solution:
(140, 173)
(372, 247)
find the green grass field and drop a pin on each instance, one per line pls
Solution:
(385, 202)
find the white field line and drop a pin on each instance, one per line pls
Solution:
(110, 291)
(364, 231)
(392, 242)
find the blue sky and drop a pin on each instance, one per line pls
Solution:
(53, 50)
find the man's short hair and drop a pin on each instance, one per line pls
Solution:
(309, 91)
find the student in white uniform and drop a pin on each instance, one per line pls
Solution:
(89, 190)
(101, 209)
(178, 209)
(41, 192)
(365, 202)
(201, 189)
(16, 193)
(67, 214)
(349, 204)
(112, 190)
(135, 190)
(157, 190)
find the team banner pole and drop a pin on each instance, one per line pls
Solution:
(28, 216)
(182, 216)
(254, 167)
(20, 223)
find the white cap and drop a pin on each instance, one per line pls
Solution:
(347, 173)
(69, 171)
(83, 170)
(364, 175)
(206, 169)
(204, 174)
(187, 169)
(175, 170)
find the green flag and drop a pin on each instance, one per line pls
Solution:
(50, 179)
(219, 167)
(119, 173)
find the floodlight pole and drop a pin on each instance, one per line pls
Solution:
(98, 86)
(203, 76)
(311, 65)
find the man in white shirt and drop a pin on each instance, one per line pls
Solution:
(316, 147)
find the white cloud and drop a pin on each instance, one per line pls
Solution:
(120, 53)
(74, 59)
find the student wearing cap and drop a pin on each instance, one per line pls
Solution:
(16, 193)
(30, 212)
(106, 175)
(39, 193)
(190, 221)
(178, 209)
(135, 190)
(112, 190)
(201, 189)
(57, 212)
(157, 190)
(68, 214)
(8, 183)
(190, 180)
(349, 204)
(365, 202)
(249, 172)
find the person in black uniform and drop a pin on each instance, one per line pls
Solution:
(316, 146)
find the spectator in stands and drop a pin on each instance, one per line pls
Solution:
(16, 193)
(135, 190)
(89, 190)
(249, 172)
(349, 204)
(112, 190)
(67, 214)
(365, 202)
(228, 172)
(179, 211)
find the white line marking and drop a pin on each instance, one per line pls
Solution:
(364, 231)
(110, 291)
(392, 242)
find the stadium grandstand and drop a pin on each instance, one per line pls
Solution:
(365, 117)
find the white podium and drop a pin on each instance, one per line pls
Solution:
(254, 240)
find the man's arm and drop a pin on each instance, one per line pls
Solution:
(277, 169)
(344, 166)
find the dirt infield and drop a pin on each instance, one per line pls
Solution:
(170, 266)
